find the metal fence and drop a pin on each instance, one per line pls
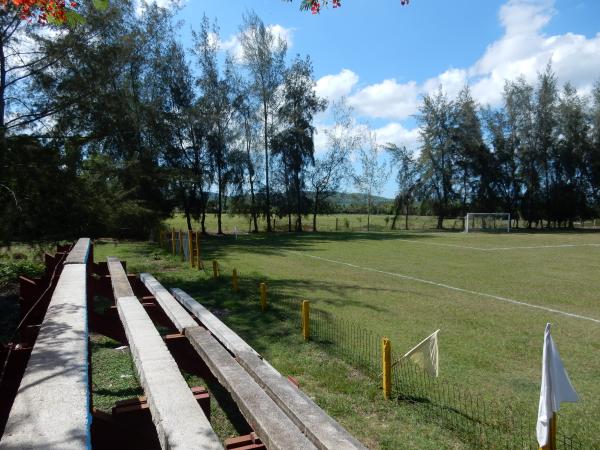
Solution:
(480, 422)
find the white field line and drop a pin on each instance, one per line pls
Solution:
(493, 249)
(453, 288)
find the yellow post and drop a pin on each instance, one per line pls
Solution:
(306, 319)
(191, 247)
(234, 281)
(551, 445)
(215, 269)
(198, 259)
(386, 362)
(173, 240)
(263, 297)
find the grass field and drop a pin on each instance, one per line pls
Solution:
(491, 296)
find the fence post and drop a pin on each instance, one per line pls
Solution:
(181, 245)
(198, 259)
(191, 247)
(386, 363)
(215, 269)
(263, 297)
(306, 319)
(173, 239)
(234, 280)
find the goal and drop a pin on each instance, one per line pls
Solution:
(487, 222)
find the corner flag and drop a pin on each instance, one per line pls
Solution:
(556, 388)
(425, 354)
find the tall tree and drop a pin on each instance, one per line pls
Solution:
(218, 106)
(407, 179)
(373, 172)
(294, 142)
(329, 171)
(438, 156)
(263, 55)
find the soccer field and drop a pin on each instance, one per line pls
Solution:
(490, 294)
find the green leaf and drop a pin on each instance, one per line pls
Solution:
(100, 5)
(74, 18)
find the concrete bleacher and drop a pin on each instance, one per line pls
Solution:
(51, 408)
(270, 423)
(321, 429)
(179, 420)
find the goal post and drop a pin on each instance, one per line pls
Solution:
(487, 222)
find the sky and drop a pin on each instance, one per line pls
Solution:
(384, 57)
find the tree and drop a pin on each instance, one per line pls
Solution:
(263, 55)
(294, 143)
(407, 178)
(329, 170)
(438, 153)
(218, 106)
(373, 174)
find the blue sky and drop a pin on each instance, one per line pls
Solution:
(383, 57)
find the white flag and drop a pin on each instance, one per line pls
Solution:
(425, 354)
(556, 388)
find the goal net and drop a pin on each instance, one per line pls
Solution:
(487, 222)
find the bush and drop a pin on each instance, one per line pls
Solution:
(11, 270)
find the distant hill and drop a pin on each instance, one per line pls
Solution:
(344, 199)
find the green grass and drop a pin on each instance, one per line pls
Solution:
(491, 347)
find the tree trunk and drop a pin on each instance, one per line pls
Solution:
(220, 206)
(268, 198)
(406, 217)
(298, 202)
(316, 208)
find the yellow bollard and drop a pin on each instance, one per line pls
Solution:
(306, 319)
(173, 240)
(551, 445)
(215, 269)
(263, 297)
(191, 247)
(234, 281)
(386, 353)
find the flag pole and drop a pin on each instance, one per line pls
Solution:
(551, 445)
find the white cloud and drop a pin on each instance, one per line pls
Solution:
(395, 133)
(387, 100)
(523, 50)
(233, 45)
(333, 87)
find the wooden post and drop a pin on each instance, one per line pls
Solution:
(336, 224)
(198, 259)
(234, 281)
(181, 245)
(386, 363)
(551, 445)
(173, 240)
(215, 269)
(191, 247)
(306, 320)
(263, 297)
